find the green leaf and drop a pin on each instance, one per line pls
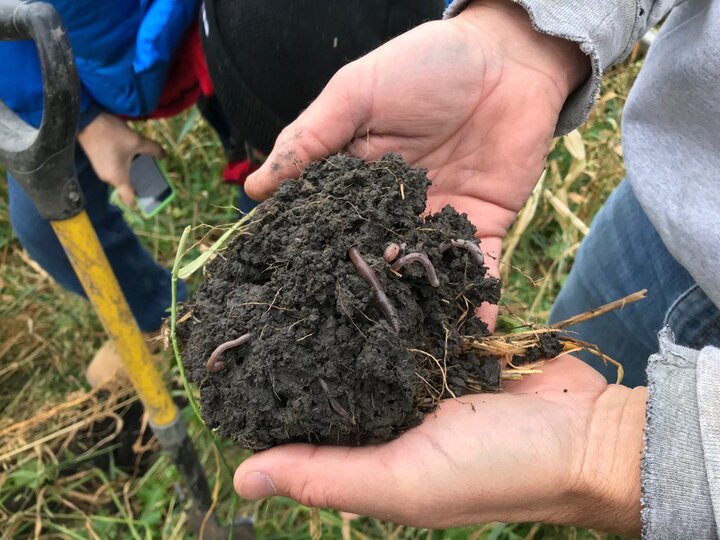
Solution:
(192, 267)
(26, 477)
(188, 125)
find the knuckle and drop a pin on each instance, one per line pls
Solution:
(309, 493)
(346, 74)
(288, 133)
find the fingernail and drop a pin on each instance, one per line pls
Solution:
(256, 485)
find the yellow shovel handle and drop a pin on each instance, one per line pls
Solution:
(87, 257)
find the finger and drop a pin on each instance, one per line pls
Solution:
(491, 248)
(150, 148)
(358, 480)
(325, 128)
(126, 194)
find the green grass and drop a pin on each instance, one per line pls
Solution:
(48, 335)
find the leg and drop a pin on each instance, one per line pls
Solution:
(145, 284)
(622, 254)
(244, 203)
(234, 146)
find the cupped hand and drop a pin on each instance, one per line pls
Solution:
(111, 145)
(560, 447)
(473, 99)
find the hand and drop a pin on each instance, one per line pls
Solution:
(561, 447)
(110, 145)
(474, 100)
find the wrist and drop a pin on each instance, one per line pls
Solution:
(509, 24)
(605, 490)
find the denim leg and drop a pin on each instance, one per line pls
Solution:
(146, 285)
(622, 254)
(694, 319)
(244, 203)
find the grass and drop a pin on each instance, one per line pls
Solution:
(48, 486)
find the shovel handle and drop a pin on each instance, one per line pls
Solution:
(42, 160)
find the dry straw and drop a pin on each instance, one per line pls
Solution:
(509, 346)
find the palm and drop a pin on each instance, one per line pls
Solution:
(482, 131)
(455, 467)
(477, 129)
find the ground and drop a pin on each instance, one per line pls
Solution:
(47, 336)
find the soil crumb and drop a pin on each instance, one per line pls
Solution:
(324, 364)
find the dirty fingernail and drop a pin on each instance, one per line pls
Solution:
(256, 485)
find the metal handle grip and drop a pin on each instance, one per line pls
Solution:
(42, 160)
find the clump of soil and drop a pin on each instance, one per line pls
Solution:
(324, 364)
(548, 345)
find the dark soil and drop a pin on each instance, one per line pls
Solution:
(548, 345)
(324, 365)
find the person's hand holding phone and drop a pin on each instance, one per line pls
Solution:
(111, 145)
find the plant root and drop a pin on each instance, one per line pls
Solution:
(515, 346)
(214, 364)
(422, 259)
(383, 302)
(443, 372)
(471, 247)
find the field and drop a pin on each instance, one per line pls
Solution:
(48, 486)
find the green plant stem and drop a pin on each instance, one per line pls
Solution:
(186, 384)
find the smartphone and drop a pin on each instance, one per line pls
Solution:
(153, 190)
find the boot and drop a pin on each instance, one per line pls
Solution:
(106, 368)
(106, 365)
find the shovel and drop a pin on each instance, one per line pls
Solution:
(42, 161)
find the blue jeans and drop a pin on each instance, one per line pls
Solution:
(146, 285)
(244, 203)
(622, 254)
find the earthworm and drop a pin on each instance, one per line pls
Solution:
(371, 279)
(393, 251)
(334, 404)
(215, 365)
(468, 245)
(421, 258)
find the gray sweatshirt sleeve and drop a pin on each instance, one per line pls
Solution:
(681, 464)
(605, 30)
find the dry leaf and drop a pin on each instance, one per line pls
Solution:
(574, 144)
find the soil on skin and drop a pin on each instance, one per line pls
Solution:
(323, 365)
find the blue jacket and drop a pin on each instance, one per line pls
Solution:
(123, 49)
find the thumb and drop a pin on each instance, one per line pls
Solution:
(358, 480)
(126, 193)
(491, 247)
(329, 124)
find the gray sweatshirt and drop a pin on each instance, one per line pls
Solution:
(671, 145)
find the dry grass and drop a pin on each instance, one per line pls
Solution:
(515, 345)
(47, 337)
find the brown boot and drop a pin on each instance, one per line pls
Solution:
(106, 365)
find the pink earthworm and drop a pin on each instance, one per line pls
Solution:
(383, 302)
(471, 247)
(213, 363)
(421, 258)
